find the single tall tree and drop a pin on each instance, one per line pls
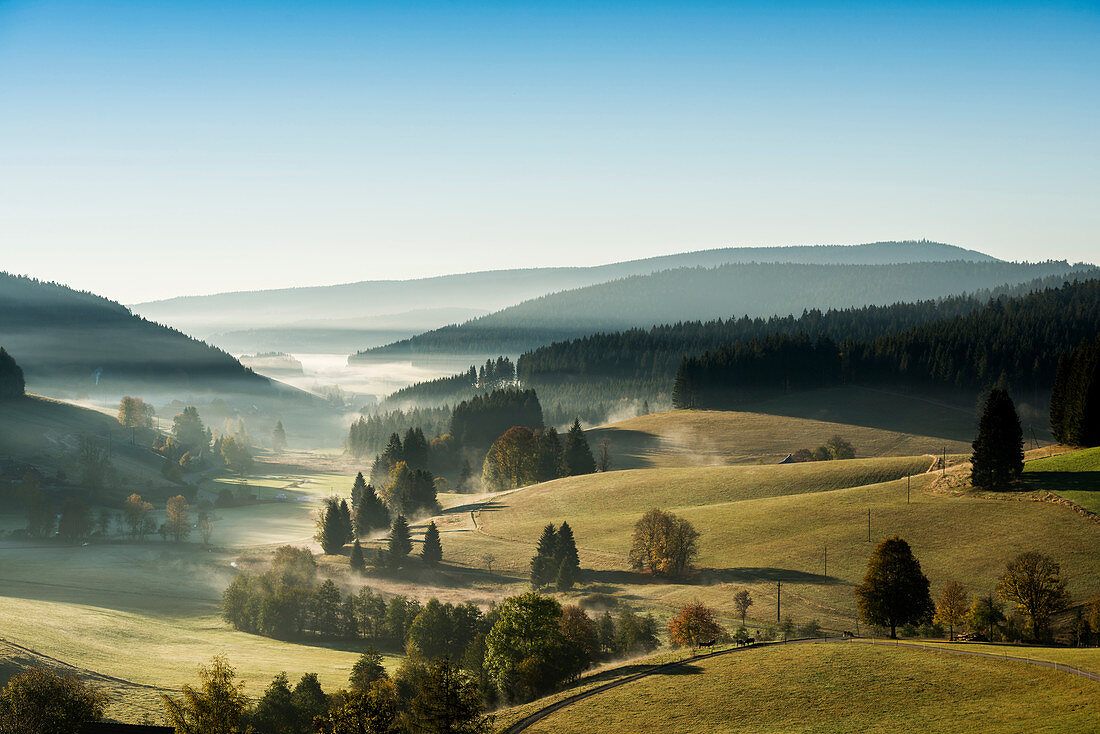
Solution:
(998, 457)
(1034, 583)
(432, 552)
(278, 437)
(742, 601)
(331, 529)
(356, 560)
(400, 544)
(576, 455)
(694, 624)
(952, 607)
(178, 518)
(543, 565)
(565, 551)
(894, 591)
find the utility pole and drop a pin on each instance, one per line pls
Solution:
(826, 574)
(907, 478)
(868, 525)
(944, 473)
(778, 597)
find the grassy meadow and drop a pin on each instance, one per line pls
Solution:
(823, 687)
(1074, 476)
(140, 617)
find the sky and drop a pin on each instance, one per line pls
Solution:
(150, 150)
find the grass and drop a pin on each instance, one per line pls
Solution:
(761, 525)
(1074, 476)
(831, 687)
(681, 438)
(1082, 658)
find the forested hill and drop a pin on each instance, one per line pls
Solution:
(694, 294)
(1018, 340)
(67, 338)
(372, 301)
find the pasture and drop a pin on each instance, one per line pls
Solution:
(817, 687)
(1074, 476)
(877, 425)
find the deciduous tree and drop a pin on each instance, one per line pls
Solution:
(39, 701)
(952, 607)
(217, 706)
(1034, 583)
(663, 544)
(178, 518)
(694, 624)
(894, 591)
(742, 600)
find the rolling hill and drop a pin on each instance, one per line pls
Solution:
(703, 294)
(374, 302)
(78, 343)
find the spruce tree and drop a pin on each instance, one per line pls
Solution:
(432, 552)
(346, 529)
(400, 541)
(577, 456)
(543, 565)
(371, 513)
(998, 457)
(278, 436)
(566, 577)
(356, 561)
(565, 551)
(357, 490)
(330, 527)
(1075, 398)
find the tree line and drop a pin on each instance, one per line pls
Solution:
(1075, 397)
(1018, 340)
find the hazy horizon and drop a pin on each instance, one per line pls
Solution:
(215, 148)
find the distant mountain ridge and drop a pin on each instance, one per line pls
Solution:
(494, 289)
(702, 294)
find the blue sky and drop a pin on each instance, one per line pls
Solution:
(156, 149)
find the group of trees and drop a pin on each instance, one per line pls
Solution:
(75, 522)
(895, 593)
(1018, 339)
(1075, 397)
(663, 544)
(556, 560)
(836, 447)
(479, 421)
(12, 384)
(522, 456)
(370, 433)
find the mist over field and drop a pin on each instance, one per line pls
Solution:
(410, 368)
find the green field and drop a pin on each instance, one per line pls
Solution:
(680, 438)
(825, 687)
(1082, 658)
(146, 615)
(1074, 475)
(766, 524)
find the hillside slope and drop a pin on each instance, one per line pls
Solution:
(81, 343)
(490, 290)
(702, 294)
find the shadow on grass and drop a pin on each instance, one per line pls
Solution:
(707, 576)
(1065, 481)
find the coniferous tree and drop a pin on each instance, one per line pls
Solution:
(357, 489)
(566, 577)
(400, 544)
(330, 527)
(356, 561)
(278, 436)
(577, 456)
(432, 553)
(346, 530)
(370, 513)
(1075, 397)
(565, 550)
(998, 457)
(544, 565)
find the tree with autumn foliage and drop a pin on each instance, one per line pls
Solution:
(512, 461)
(663, 544)
(694, 624)
(952, 607)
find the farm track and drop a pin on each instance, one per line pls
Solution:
(83, 672)
(542, 713)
